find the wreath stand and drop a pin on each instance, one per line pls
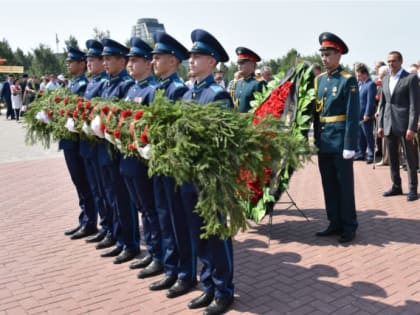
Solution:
(288, 204)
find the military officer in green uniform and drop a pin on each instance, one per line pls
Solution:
(245, 88)
(336, 124)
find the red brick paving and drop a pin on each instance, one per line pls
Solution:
(42, 271)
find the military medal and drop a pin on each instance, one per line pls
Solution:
(334, 91)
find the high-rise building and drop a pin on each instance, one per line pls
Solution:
(146, 27)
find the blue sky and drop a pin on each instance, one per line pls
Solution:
(270, 27)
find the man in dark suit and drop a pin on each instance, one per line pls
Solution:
(336, 123)
(6, 95)
(398, 118)
(367, 94)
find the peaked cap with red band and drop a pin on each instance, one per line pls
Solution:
(246, 54)
(329, 40)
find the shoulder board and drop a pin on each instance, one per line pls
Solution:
(323, 73)
(345, 74)
(127, 79)
(216, 88)
(81, 83)
(178, 83)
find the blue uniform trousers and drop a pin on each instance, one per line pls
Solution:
(187, 261)
(366, 139)
(125, 227)
(88, 152)
(338, 185)
(162, 187)
(215, 254)
(75, 166)
(140, 189)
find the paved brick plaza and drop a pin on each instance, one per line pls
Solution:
(43, 271)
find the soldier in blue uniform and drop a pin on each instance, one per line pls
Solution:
(88, 149)
(167, 55)
(336, 124)
(135, 171)
(245, 88)
(76, 65)
(124, 217)
(215, 254)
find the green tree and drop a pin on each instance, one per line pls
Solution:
(99, 34)
(71, 41)
(46, 62)
(6, 52)
(21, 59)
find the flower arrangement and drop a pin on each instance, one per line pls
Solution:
(287, 97)
(222, 152)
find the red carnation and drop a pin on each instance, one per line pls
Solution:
(56, 99)
(131, 146)
(105, 109)
(143, 137)
(117, 133)
(66, 100)
(126, 113)
(61, 112)
(102, 127)
(138, 114)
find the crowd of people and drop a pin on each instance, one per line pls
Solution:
(355, 118)
(17, 93)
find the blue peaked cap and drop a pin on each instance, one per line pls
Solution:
(113, 48)
(166, 44)
(74, 53)
(205, 43)
(94, 48)
(139, 48)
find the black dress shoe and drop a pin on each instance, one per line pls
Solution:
(412, 196)
(112, 252)
(202, 301)
(153, 269)
(394, 191)
(329, 231)
(108, 241)
(141, 263)
(347, 237)
(369, 161)
(180, 288)
(72, 231)
(83, 232)
(126, 255)
(218, 306)
(96, 238)
(163, 284)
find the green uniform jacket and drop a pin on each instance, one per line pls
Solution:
(336, 119)
(244, 92)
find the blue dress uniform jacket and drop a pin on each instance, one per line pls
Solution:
(95, 85)
(75, 165)
(244, 92)
(174, 87)
(336, 124)
(137, 180)
(209, 91)
(125, 228)
(215, 254)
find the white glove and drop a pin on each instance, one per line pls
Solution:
(86, 129)
(109, 137)
(42, 116)
(95, 125)
(70, 125)
(145, 152)
(348, 154)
